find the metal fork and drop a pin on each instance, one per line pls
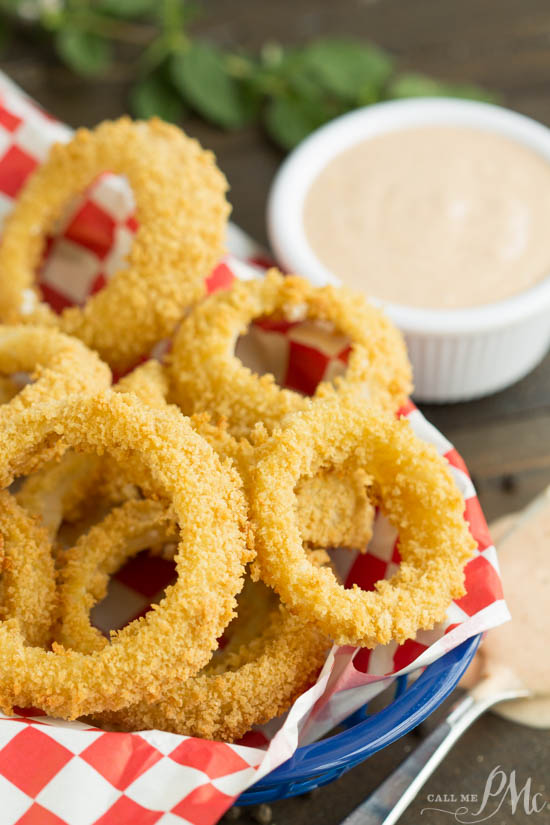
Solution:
(395, 794)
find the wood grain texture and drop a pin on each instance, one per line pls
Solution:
(505, 439)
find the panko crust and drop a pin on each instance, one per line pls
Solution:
(176, 638)
(205, 374)
(58, 488)
(83, 579)
(271, 656)
(182, 213)
(64, 488)
(59, 366)
(274, 669)
(414, 488)
(333, 509)
(27, 580)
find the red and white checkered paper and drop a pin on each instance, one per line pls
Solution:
(68, 773)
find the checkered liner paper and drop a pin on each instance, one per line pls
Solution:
(68, 773)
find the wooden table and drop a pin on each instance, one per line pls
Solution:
(505, 439)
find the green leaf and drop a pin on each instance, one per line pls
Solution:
(200, 75)
(126, 9)
(85, 53)
(411, 84)
(153, 95)
(289, 120)
(347, 68)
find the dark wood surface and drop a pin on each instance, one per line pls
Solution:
(505, 439)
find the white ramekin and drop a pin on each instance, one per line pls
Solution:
(456, 354)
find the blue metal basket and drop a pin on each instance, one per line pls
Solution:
(320, 763)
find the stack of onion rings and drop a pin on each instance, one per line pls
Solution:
(175, 640)
(257, 474)
(269, 660)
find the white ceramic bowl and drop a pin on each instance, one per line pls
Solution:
(456, 354)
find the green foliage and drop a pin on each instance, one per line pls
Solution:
(419, 85)
(289, 120)
(348, 69)
(126, 9)
(84, 52)
(292, 91)
(153, 95)
(200, 74)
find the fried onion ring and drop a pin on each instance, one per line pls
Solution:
(205, 374)
(59, 365)
(333, 510)
(240, 688)
(414, 489)
(174, 640)
(270, 659)
(58, 490)
(27, 583)
(182, 212)
(127, 530)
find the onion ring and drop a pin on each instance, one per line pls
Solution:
(245, 688)
(57, 491)
(60, 366)
(58, 488)
(333, 510)
(270, 659)
(206, 375)
(176, 638)
(413, 487)
(127, 530)
(182, 213)
(149, 382)
(27, 583)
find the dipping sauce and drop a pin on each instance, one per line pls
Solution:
(520, 645)
(435, 217)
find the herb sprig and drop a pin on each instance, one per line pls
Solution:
(290, 90)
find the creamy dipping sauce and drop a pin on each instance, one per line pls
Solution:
(520, 645)
(435, 217)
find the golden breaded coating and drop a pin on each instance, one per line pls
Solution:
(270, 658)
(249, 688)
(27, 576)
(59, 366)
(205, 374)
(182, 213)
(124, 532)
(148, 381)
(64, 488)
(413, 487)
(333, 509)
(58, 488)
(176, 638)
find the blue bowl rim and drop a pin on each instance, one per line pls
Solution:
(379, 730)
